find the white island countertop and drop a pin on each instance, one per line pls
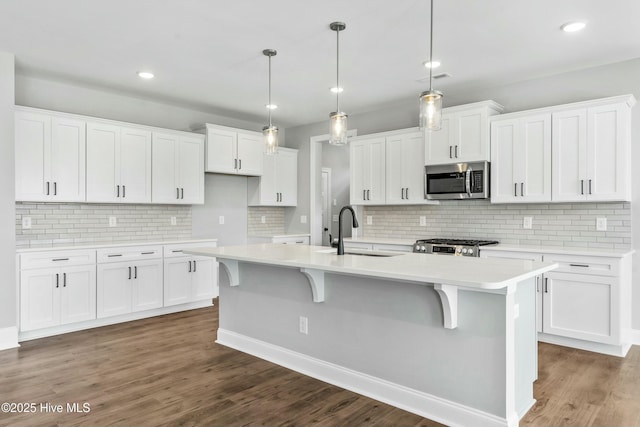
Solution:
(478, 273)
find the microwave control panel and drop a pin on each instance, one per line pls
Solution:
(477, 182)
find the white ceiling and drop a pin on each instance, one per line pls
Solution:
(208, 53)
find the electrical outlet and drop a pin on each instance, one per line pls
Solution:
(369, 220)
(423, 221)
(173, 220)
(304, 325)
(221, 219)
(26, 223)
(601, 224)
(303, 219)
(335, 218)
(263, 219)
(112, 221)
(335, 202)
(527, 222)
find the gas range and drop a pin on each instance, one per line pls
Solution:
(457, 247)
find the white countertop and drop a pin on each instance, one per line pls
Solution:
(278, 235)
(562, 250)
(68, 246)
(381, 241)
(478, 273)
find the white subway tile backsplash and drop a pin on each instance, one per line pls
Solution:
(566, 224)
(274, 220)
(70, 223)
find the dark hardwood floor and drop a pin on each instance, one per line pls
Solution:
(168, 371)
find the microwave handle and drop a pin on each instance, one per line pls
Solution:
(468, 182)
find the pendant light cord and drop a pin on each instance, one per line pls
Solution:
(270, 105)
(338, 71)
(431, 48)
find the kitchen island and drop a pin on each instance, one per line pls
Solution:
(449, 338)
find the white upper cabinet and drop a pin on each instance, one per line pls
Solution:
(591, 152)
(50, 157)
(234, 151)
(118, 164)
(521, 159)
(177, 168)
(405, 168)
(278, 185)
(368, 171)
(464, 136)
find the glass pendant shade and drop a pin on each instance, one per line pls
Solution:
(338, 128)
(431, 110)
(270, 134)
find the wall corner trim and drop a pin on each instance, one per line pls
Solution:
(9, 338)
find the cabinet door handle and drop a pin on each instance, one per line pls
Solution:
(64, 280)
(129, 273)
(57, 280)
(579, 265)
(235, 163)
(47, 188)
(456, 151)
(55, 188)
(240, 163)
(364, 194)
(537, 283)
(195, 266)
(582, 186)
(589, 186)
(546, 285)
(182, 193)
(135, 272)
(515, 189)
(177, 193)
(368, 194)
(124, 191)
(402, 192)
(522, 189)
(189, 266)
(117, 191)
(406, 193)
(450, 155)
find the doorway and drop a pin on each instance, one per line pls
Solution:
(327, 235)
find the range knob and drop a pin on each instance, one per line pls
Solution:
(423, 248)
(470, 251)
(464, 251)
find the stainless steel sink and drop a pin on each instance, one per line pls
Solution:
(361, 253)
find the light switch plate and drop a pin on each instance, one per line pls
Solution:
(369, 219)
(527, 222)
(335, 202)
(335, 218)
(601, 224)
(423, 221)
(26, 222)
(221, 219)
(303, 219)
(263, 219)
(112, 221)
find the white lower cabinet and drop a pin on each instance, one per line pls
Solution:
(586, 299)
(126, 287)
(189, 278)
(57, 296)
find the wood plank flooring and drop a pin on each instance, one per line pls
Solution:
(167, 371)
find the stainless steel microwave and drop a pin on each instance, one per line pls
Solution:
(457, 181)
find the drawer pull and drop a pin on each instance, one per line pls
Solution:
(60, 259)
(129, 273)
(579, 265)
(546, 285)
(113, 255)
(148, 253)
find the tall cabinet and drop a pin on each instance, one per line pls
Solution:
(368, 171)
(50, 157)
(405, 168)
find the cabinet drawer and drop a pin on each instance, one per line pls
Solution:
(292, 240)
(129, 253)
(57, 258)
(358, 245)
(393, 248)
(176, 250)
(599, 266)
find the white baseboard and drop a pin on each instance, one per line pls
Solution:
(96, 323)
(417, 402)
(635, 336)
(9, 338)
(609, 349)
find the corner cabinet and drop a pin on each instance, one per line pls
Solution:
(50, 157)
(278, 185)
(464, 136)
(189, 278)
(118, 164)
(177, 168)
(234, 151)
(592, 153)
(521, 159)
(368, 171)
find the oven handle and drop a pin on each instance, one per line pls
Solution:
(468, 182)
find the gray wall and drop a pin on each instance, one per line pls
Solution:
(337, 159)
(8, 309)
(598, 82)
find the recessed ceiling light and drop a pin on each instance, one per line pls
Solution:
(271, 106)
(571, 27)
(337, 89)
(145, 75)
(428, 64)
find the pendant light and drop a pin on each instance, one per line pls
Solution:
(270, 132)
(431, 100)
(338, 119)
